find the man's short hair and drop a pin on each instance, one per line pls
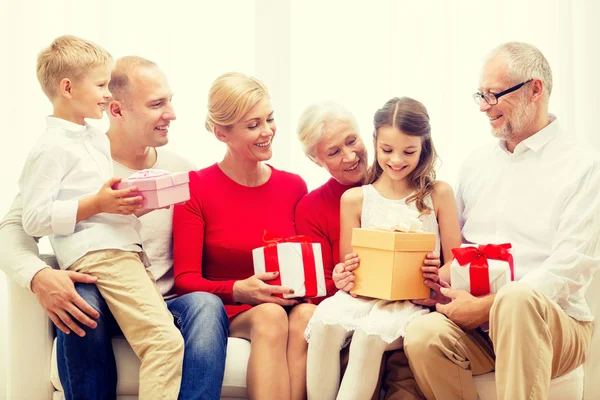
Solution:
(68, 57)
(525, 61)
(119, 85)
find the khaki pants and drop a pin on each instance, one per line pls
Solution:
(138, 307)
(534, 339)
(399, 381)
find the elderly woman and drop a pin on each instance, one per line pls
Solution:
(232, 204)
(329, 137)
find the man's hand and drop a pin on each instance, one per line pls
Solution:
(438, 297)
(56, 293)
(465, 310)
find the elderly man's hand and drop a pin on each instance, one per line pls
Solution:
(438, 297)
(464, 309)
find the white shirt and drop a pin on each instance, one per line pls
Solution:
(19, 253)
(157, 226)
(543, 198)
(70, 162)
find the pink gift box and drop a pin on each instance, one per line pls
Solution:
(159, 188)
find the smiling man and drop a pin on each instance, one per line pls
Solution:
(536, 188)
(140, 112)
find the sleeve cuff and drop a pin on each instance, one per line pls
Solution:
(28, 273)
(64, 216)
(228, 296)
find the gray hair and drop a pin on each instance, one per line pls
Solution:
(525, 61)
(317, 118)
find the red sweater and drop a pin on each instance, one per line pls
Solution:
(215, 231)
(318, 216)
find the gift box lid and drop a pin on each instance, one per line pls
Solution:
(154, 180)
(393, 241)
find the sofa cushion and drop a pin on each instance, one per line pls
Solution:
(568, 386)
(234, 381)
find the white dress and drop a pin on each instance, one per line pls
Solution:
(384, 318)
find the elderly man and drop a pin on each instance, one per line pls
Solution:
(140, 113)
(537, 189)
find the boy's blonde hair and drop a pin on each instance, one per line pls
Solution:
(67, 57)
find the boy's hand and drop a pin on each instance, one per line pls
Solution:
(343, 275)
(120, 201)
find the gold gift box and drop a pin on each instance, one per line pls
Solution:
(390, 263)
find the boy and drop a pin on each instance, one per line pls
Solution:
(93, 231)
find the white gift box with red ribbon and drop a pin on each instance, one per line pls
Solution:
(482, 269)
(300, 266)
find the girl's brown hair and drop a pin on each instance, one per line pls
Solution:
(410, 117)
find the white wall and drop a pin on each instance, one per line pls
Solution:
(359, 53)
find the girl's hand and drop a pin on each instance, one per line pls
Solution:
(431, 267)
(343, 275)
(255, 291)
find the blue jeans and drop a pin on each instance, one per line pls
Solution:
(87, 368)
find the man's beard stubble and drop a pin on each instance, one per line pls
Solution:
(513, 127)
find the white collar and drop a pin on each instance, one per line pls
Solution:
(54, 122)
(538, 140)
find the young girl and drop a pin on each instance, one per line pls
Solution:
(402, 173)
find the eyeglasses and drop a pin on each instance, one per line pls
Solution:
(492, 98)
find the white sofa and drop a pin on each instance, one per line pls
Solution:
(33, 374)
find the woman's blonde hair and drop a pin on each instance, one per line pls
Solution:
(410, 117)
(230, 97)
(68, 57)
(317, 119)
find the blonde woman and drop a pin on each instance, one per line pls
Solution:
(232, 204)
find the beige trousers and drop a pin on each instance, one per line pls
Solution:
(398, 380)
(138, 307)
(533, 338)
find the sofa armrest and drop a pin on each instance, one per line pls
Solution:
(591, 386)
(30, 344)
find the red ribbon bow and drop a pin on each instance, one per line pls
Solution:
(291, 239)
(478, 270)
(308, 261)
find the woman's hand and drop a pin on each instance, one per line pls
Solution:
(343, 275)
(255, 291)
(431, 267)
